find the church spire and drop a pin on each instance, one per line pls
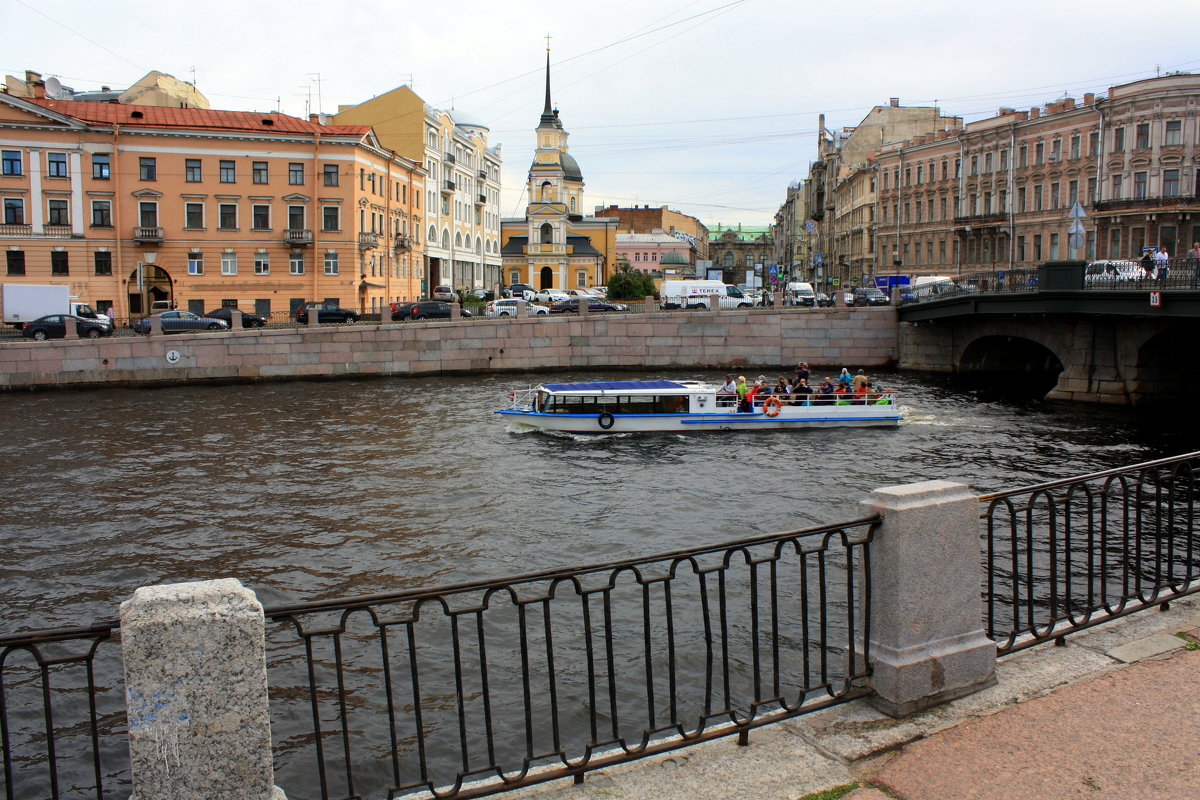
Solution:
(548, 115)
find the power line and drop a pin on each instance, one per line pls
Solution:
(81, 36)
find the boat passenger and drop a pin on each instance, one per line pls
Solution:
(753, 392)
(844, 378)
(727, 392)
(802, 393)
(825, 393)
(859, 381)
(741, 393)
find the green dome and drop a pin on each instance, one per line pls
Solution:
(673, 258)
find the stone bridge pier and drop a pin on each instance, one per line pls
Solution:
(1096, 359)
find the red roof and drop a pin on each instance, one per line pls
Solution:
(164, 117)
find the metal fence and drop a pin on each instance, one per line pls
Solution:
(62, 715)
(1069, 554)
(474, 689)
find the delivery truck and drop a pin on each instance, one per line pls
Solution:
(21, 303)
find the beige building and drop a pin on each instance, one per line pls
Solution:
(132, 204)
(154, 89)
(462, 193)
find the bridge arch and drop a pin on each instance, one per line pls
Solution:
(1010, 365)
(1168, 366)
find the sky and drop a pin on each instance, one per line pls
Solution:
(707, 106)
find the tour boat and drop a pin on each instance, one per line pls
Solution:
(689, 406)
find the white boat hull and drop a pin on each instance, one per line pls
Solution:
(788, 418)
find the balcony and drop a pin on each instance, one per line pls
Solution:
(450, 158)
(448, 187)
(1147, 203)
(57, 231)
(402, 244)
(483, 174)
(368, 240)
(147, 233)
(481, 200)
(965, 223)
(16, 230)
(298, 236)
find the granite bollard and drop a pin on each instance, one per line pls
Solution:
(196, 693)
(455, 311)
(927, 641)
(521, 312)
(155, 325)
(314, 317)
(235, 320)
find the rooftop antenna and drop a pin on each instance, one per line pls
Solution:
(307, 90)
(193, 69)
(317, 76)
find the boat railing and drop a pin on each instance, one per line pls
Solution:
(874, 397)
(522, 398)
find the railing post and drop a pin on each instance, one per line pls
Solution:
(196, 689)
(927, 641)
(648, 304)
(235, 320)
(455, 311)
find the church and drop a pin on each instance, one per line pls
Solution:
(555, 246)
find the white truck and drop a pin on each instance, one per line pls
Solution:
(21, 303)
(799, 293)
(702, 294)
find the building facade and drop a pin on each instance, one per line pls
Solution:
(645, 219)
(655, 252)
(462, 192)
(741, 252)
(133, 204)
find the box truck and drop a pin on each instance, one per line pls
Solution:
(21, 303)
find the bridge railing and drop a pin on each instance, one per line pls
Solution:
(1069, 554)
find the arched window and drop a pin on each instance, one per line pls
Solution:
(547, 233)
(572, 205)
(432, 234)
(478, 245)
(547, 192)
(458, 240)
(446, 238)
(729, 259)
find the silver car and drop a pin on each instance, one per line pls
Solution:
(180, 321)
(508, 308)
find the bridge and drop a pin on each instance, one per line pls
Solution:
(1126, 342)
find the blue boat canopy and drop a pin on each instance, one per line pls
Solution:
(611, 385)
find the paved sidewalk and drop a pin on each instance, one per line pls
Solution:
(1114, 714)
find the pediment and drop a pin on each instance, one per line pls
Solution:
(147, 193)
(296, 198)
(21, 111)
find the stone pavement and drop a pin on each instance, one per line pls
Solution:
(1113, 714)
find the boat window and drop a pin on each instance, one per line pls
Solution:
(615, 404)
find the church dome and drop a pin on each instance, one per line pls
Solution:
(571, 168)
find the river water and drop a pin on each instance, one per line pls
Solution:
(328, 489)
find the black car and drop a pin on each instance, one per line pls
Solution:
(54, 326)
(326, 312)
(180, 321)
(594, 305)
(870, 296)
(425, 309)
(249, 320)
(519, 290)
(824, 300)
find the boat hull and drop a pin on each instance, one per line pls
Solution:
(788, 418)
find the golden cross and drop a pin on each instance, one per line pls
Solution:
(547, 43)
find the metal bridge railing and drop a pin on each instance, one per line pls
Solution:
(474, 689)
(1069, 554)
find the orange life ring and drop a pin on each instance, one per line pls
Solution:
(771, 406)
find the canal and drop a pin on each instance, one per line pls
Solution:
(326, 489)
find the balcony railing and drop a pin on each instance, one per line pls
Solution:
(448, 187)
(402, 243)
(450, 158)
(368, 240)
(483, 174)
(996, 218)
(16, 230)
(1141, 203)
(297, 236)
(481, 200)
(145, 233)
(57, 231)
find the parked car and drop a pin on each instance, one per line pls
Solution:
(571, 306)
(54, 326)
(522, 290)
(326, 312)
(824, 300)
(486, 295)
(507, 307)
(549, 296)
(1109, 272)
(444, 293)
(181, 322)
(249, 319)
(871, 296)
(424, 309)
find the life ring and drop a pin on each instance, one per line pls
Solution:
(772, 406)
(605, 420)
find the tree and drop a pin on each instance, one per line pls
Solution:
(628, 283)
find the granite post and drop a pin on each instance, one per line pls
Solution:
(927, 640)
(521, 312)
(196, 691)
(314, 317)
(235, 320)
(155, 325)
(70, 327)
(648, 304)
(583, 305)
(455, 311)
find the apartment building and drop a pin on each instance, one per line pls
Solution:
(132, 204)
(647, 219)
(655, 252)
(462, 190)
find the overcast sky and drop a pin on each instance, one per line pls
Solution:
(708, 106)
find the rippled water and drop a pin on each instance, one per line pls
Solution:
(306, 490)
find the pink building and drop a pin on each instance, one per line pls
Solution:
(655, 252)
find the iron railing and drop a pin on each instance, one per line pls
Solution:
(469, 690)
(62, 714)
(1069, 554)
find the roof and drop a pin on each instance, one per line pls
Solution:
(580, 246)
(611, 386)
(164, 117)
(650, 238)
(745, 233)
(570, 167)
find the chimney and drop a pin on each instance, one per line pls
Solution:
(1068, 103)
(313, 119)
(894, 102)
(1035, 112)
(1051, 108)
(1089, 98)
(1024, 115)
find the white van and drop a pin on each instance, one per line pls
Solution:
(800, 294)
(927, 287)
(701, 294)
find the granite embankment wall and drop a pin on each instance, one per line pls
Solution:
(712, 340)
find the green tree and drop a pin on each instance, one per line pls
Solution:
(627, 283)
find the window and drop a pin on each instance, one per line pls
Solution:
(1114, 243)
(102, 263)
(329, 218)
(1142, 135)
(1091, 192)
(101, 213)
(987, 162)
(331, 263)
(193, 215)
(1056, 149)
(1170, 183)
(1075, 142)
(58, 213)
(11, 159)
(262, 264)
(228, 172)
(229, 264)
(58, 263)
(1037, 197)
(1174, 132)
(1119, 140)
(331, 175)
(1139, 185)
(258, 172)
(920, 174)
(1037, 247)
(56, 165)
(1020, 248)
(260, 217)
(1094, 144)
(1054, 247)
(296, 264)
(148, 168)
(296, 218)
(1118, 186)
(1054, 195)
(1072, 193)
(16, 261)
(1039, 154)
(100, 166)
(195, 264)
(1021, 200)
(191, 170)
(148, 214)
(14, 211)
(227, 216)
(295, 174)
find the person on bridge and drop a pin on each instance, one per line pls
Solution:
(1160, 264)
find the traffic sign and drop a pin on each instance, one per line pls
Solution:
(1077, 211)
(1076, 227)
(1075, 240)
(1155, 299)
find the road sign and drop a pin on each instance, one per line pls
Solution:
(1076, 227)
(1075, 240)
(820, 258)
(1155, 299)
(1077, 211)
(836, 281)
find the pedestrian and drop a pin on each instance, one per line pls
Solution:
(1148, 264)
(1194, 262)
(111, 313)
(1160, 264)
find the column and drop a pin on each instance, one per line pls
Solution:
(927, 640)
(196, 687)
